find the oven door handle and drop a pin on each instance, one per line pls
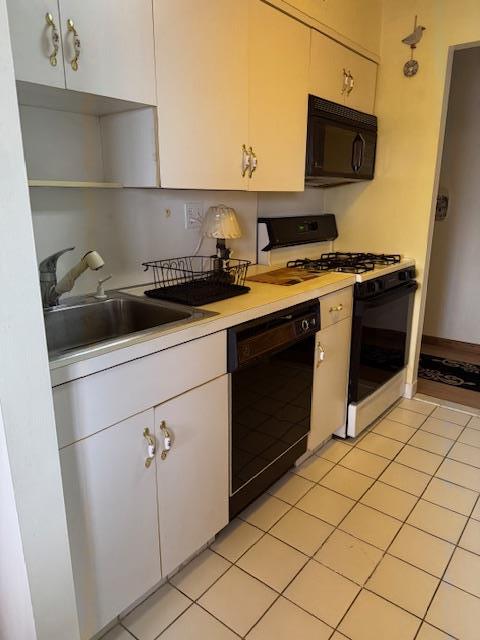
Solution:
(384, 298)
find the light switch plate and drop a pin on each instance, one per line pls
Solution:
(193, 215)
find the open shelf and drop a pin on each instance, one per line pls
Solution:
(74, 184)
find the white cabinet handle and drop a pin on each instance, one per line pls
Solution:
(76, 44)
(253, 162)
(321, 354)
(245, 160)
(167, 439)
(351, 83)
(345, 81)
(151, 448)
(55, 39)
(337, 307)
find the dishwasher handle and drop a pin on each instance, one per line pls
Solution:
(268, 335)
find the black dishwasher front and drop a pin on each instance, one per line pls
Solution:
(271, 362)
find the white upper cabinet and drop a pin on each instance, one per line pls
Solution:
(36, 41)
(202, 83)
(362, 82)
(111, 505)
(108, 48)
(193, 475)
(105, 47)
(232, 95)
(341, 75)
(277, 114)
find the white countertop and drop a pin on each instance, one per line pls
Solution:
(261, 300)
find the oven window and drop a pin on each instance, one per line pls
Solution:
(271, 401)
(380, 341)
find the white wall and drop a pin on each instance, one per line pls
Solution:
(16, 614)
(128, 227)
(453, 296)
(308, 202)
(27, 407)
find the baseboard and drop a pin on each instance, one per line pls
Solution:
(410, 389)
(470, 347)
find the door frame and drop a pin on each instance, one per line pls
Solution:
(410, 389)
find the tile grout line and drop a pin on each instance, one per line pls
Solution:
(446, 569)
(353, 506)
(335, 528)
(357, 501)
(454, 545)
(404, 522)
(384, 550)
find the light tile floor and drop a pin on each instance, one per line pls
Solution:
(374, 539)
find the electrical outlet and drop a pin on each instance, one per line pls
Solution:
(193, 215)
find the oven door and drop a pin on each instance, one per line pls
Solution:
(380, 339)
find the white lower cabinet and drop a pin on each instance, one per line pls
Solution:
(330, 382)
(193, 476)
(110, 499)
(135, 516)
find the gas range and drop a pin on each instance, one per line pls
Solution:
(365, 266)
(383, 297)
(346, 262)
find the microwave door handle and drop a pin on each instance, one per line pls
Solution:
(355, 165)
(358, 152)
(361, 152)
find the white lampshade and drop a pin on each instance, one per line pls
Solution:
(221, 222)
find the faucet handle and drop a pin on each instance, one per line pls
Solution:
(49, 264)
(101, 295)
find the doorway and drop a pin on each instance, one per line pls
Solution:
(449, 366)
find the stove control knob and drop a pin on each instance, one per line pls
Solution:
(305, 325)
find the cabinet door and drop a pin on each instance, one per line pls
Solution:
(329, 401)
(33, 39)
(116, 48)
(202, 83)
(330, 64)
(364, 73)
(110, 499)
(193, 478)
(328, 61)
(278, 74)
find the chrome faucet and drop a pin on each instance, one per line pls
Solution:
(51, 290)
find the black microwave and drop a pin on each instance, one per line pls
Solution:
(341, 144)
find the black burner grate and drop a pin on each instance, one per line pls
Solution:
(346, 262)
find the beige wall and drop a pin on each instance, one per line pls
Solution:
(453, 301)
(393, 213)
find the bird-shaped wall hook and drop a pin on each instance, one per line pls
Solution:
(410, 68)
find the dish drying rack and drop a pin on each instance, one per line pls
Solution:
(197, 280)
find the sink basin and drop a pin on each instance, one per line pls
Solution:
(84, 322)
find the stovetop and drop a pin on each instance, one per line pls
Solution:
(346, 262)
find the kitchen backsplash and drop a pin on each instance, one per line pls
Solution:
(129, 226)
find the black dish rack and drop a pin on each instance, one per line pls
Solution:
(197, 280)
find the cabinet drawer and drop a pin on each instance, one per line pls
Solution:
(336, 306)
(87, 405)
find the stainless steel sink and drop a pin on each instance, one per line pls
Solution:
(85, 322)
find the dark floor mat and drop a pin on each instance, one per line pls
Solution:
(452, 372)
